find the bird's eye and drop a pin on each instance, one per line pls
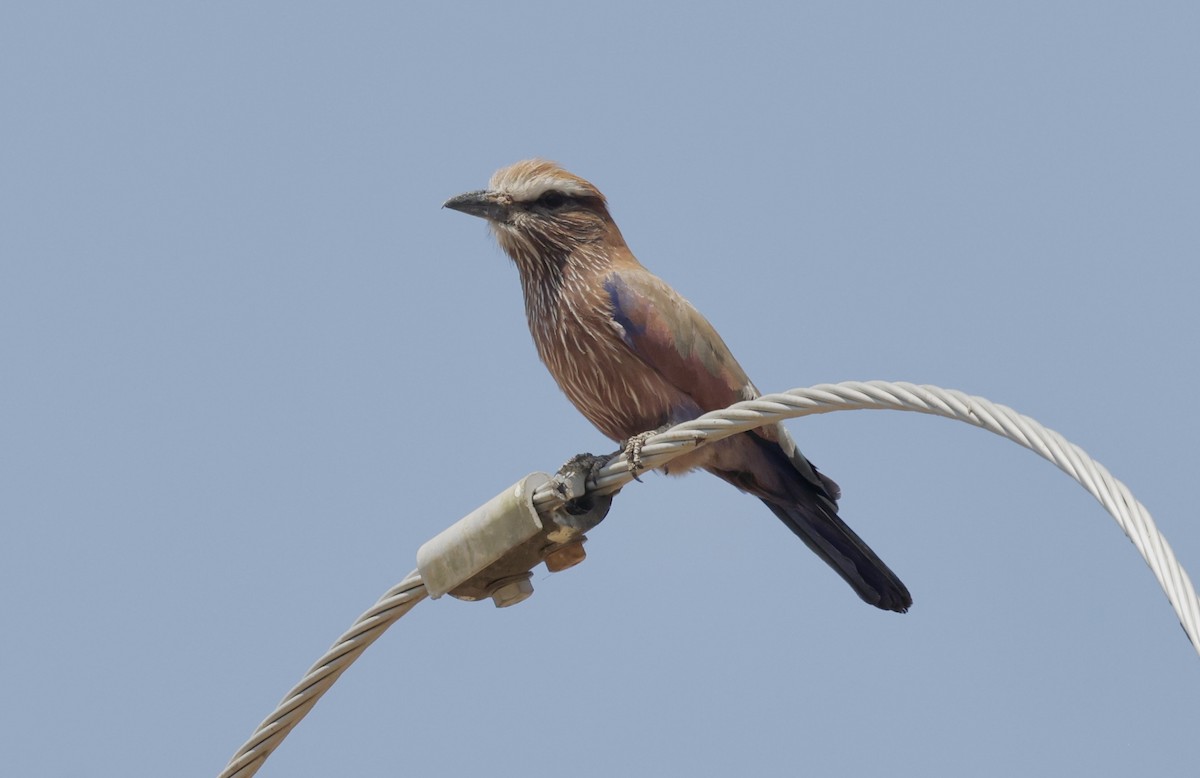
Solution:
(552, 199)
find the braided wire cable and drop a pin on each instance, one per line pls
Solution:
(1132, 517)
(296, 704)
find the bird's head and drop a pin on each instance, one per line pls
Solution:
(541, 214)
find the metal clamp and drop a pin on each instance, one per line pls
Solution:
(492, 551)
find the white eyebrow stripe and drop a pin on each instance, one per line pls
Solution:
(529, 190)
(527, 181)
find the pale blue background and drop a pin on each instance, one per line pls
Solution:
(248, 367)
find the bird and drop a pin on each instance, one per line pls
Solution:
(633, 356)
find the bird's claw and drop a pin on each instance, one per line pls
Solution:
(633, 451)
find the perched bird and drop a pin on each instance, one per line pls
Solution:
(633, 356)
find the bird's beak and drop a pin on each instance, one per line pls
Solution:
(484, 204)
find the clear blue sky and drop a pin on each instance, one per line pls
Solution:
(249, 366)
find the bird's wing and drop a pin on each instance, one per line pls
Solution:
(670, 336)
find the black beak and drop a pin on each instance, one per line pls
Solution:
(483, 204)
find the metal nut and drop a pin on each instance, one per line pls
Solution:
(513, 592)
(565, 557)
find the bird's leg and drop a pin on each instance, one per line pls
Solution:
(633, 449)
(582, 510)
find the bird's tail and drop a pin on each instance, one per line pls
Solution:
(816, 523)
(806, 501)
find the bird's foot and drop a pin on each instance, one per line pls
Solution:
(633, 450)
(581, 510)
